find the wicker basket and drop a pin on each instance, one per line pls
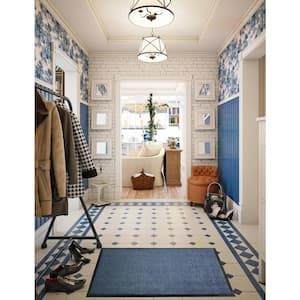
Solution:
(142, 181)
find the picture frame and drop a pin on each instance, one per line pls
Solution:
(205, 148)
(101, 148)
(205, 119)
(101, 89)
(101, 119)
(204, 90)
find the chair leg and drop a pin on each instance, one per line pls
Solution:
(191, 203)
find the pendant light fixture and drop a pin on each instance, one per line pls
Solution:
(151, 15)
(152, 49)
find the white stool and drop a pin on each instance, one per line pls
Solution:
(100, 187)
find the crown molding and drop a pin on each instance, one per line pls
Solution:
(251, 10)
(58, 16)
(99, 21)
(210, 16)
(174, 52)
(165, 38)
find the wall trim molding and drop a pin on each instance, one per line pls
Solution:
(44, 83)
(58, 16)
(134, 53)
(208, 20)
(259, 41)
(252, 9)
(138, 76)
(99, 21)
(228, 99)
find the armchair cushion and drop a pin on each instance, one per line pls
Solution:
(152, 165)
(150, 148)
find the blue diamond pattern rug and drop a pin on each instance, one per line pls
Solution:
(131, 272)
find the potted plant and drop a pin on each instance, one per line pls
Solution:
(151, 131)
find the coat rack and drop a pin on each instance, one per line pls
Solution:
(47, 236)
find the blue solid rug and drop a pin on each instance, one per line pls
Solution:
(131, 272)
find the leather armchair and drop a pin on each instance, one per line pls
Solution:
(201, 177)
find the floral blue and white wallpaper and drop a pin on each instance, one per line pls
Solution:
(229, 58)
(47, 32)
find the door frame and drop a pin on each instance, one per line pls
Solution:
(248, 130)
(188, 132)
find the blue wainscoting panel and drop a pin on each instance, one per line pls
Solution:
(228, 147)
(84, 121)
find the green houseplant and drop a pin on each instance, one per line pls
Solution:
(152, 109)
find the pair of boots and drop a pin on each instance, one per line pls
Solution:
(59, 280)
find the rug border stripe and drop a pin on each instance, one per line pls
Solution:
(241, 263)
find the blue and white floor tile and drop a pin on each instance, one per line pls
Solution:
(158, 224)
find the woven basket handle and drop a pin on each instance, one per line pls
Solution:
(219, 186)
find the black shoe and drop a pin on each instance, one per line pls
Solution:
(82, 250)
(75, 254)
(65, 285)
(64, 270)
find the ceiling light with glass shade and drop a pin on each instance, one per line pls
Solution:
(152, 49)
(151, 15)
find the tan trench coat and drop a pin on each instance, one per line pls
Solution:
(49, 153)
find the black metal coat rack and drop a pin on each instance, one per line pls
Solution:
(47, 236)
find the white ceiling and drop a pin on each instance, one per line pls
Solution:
(199, 25)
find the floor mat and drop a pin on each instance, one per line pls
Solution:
(158, 272)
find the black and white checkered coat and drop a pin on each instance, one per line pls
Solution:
(85, 165)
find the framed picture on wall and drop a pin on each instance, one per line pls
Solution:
(205, 119)
(101, 89)
(101, 119)
(204, 90)
(205, 148)
(101, 148)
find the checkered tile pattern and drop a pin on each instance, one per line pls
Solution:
(167, 224)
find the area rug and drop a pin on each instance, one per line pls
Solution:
(130, 272)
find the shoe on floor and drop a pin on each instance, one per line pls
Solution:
(65, 285)
(64, 270)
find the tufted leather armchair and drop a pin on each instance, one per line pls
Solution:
(201, 177)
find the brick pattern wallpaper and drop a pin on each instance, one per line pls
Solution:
(201, 66)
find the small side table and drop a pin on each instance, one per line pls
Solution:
(172, 167)
(100, 187)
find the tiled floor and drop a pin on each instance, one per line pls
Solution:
(162, 224)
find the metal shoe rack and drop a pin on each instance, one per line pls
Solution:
(47, 236)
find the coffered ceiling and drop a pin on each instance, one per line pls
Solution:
(199, 25)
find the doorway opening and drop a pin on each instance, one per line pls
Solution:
(66, 82)
(170, 100)
(252, 109)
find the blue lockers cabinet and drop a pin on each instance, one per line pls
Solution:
(228, 147)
